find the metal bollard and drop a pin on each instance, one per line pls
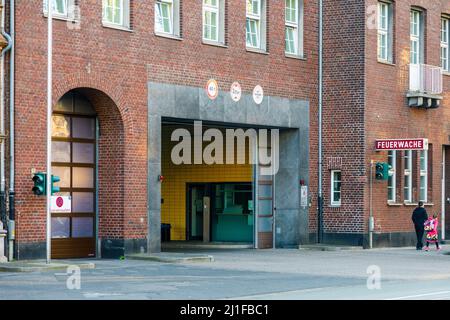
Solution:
(3, 234)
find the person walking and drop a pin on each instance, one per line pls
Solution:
(431, 226)
(419, 217)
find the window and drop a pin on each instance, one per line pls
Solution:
(164, 16)
(167, 17)
(214, 20)
(416, 37)
(423, 194)
(392, 161)
(116, 12)
(445, 39)
(408, 176)
(60, 7)
(293, 26)
(255, 24)
(336, 188)
(385, 32)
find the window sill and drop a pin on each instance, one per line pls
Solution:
(117, 27)
(62, 18)
(428, 204)
(446, 73)
(168, 36)
(256, 50)
(335, 205)
(386, 63)
(214, 44)
(295, 56)
(410, 204)
(394, 204)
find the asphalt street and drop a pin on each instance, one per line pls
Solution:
(396, 274)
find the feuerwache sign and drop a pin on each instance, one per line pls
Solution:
(401, 144)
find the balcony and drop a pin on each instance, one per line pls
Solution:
(425, 86)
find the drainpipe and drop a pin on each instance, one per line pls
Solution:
(2, 118)
(320, 192)
(12, 212)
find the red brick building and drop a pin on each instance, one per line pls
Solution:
(127, 74)
(106, 58)
(373, 90)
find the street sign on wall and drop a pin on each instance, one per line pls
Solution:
(401, 144)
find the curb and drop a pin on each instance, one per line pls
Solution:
(329, 248)
(168, 259)
(41, 267)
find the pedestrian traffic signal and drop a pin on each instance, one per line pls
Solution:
(55, 189)
(39, 180)
(382, 170)
(40, 184)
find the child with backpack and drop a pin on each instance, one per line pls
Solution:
(431, 226)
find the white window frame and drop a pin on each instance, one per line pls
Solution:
(407, 174)
(259, 20)
(392, 179)
(124, 15)
(424, 176)
(445, 40)
(57, 14)
(385, 31)
(212, 9)
(333, 190)
(296, 26)
(175, 27)
(158, 4)
(416, 37)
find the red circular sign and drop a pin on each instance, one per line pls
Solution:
(59, 202)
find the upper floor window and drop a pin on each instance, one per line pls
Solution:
(60, 7)
(255, 24)
(416, 36)
(167, 17)
(445, 39)
(213, 20)
(385, 31)
(293, 27)
(116, 12)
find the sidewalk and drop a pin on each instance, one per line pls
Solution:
(42, 266)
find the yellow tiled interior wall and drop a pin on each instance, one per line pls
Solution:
(176, 177)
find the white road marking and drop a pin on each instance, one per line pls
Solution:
(420, 295)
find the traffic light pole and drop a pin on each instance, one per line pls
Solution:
(49, 127)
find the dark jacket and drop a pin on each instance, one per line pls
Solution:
(419, 216)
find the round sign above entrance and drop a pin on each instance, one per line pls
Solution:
(258, 94)
(236, 91)
(212, 89)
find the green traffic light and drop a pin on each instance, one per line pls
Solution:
(39, 180)
(55, 189)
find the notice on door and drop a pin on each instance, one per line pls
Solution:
(61, 204)
(304, 196)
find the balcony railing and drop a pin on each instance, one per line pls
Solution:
(425, 79)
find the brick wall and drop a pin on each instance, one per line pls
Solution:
(119, 64)
(388, 115)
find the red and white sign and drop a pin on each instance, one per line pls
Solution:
(236, 91)
(61, 204)
(212, 89)
(401, 144)
(258, 94)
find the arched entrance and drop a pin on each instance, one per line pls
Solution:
(88, 155)
(74, 160)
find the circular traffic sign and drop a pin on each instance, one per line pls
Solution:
(236, 91)
(212, 89)
(258, 94)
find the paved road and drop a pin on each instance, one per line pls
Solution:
(251, 274)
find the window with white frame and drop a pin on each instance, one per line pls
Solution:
(60, 7)
(255, 24)
(392, 161)
(336, 181)
(407, 176)
(445, 39)
(167, 17)
(385, 31)
(116, 12)
(214, 21)
(416, 37)
(164, 16)
(293, 27)
(423, 194)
